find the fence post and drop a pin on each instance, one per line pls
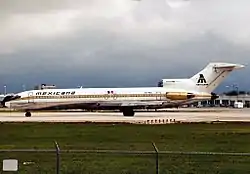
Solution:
(57, 157)
(157, 158)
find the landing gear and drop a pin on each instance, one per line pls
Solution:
(27, 114)
(128, 111)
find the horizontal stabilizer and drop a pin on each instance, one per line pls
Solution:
(228, 65)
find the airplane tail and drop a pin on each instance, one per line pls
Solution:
(212, 75)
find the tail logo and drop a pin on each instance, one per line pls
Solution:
(202, 80)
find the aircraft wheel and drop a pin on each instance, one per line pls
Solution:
(128, 112)
(27, 114)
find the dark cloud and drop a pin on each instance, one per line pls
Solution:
(129, 64)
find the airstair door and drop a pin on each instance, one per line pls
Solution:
(30, 97)
(158, 95)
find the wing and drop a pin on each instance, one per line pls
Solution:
(89, 105)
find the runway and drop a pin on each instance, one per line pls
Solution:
(174, 115)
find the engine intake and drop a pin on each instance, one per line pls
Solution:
(214, 96)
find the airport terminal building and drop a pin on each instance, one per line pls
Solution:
(226, 101)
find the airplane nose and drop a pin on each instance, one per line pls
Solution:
(9, 98)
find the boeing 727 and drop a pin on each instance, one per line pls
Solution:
(176, 92)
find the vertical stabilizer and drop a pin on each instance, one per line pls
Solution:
(212, 75)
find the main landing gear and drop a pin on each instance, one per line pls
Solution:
(128, 111)
(27, 114)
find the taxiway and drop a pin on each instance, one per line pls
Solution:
(180, 115)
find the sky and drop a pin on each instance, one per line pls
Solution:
(120, 43)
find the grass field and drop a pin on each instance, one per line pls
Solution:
(219, 137)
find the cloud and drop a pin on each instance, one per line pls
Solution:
(141, 41)
(177, 20)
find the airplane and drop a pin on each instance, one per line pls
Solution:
(170, 92)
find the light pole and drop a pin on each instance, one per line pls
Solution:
(235, 87)
(23, 87)
(229, 101)
(5, 90)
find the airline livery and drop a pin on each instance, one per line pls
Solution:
(170, 92)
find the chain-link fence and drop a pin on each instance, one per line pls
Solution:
(74, 161)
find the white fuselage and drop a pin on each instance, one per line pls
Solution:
(36, 99)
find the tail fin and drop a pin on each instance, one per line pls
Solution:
(212, 75)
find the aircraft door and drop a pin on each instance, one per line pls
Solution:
(30, 97)
(158, 95)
